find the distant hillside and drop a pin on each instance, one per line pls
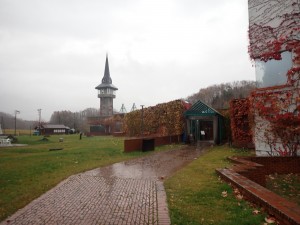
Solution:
(7, 121)
(219, 96)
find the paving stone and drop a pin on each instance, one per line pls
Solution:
(130, 192)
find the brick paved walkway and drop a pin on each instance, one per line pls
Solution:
(130, 192)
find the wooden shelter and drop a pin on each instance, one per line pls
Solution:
(48, 129)
(204, 123)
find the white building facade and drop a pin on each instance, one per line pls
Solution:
(274, 34)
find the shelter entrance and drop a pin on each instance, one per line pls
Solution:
(202, 130)
(204, 123)
(206, 130)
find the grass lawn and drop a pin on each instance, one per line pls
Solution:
(27, 172)
(195, 193)
(18, 132)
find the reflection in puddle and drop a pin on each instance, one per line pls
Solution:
(152, 167)
(124, 170)
(137, 171)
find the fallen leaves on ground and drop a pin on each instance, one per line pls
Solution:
(236, 191)
(239, 196)
(224, 194)
(285, 185)
(270, 220)
(255, 211)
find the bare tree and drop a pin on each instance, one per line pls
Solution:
(219, 96)
(76, 120)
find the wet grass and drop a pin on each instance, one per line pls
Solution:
(29, 171)
(195, 193)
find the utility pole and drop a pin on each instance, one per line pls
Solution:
(40, 115)
(16, 112)
(74, 118)
(142, 124)
(2, 125)
(133, 108)
(123, 109)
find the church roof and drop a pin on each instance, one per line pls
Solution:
(106, 80)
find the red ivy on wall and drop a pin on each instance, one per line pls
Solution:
(284, 125)
(240, 124)
(279, 106)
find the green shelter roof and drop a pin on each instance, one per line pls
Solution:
(201, 109)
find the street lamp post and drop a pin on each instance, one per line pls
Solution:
(16, 112)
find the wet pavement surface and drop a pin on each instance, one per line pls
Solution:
(130, 192)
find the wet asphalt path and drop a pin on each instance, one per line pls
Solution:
(130, 192)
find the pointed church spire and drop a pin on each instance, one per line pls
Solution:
(106, 78)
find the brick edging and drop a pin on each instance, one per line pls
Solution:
(284, 211)
(162, 205)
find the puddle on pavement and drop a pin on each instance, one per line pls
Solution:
(156, 166)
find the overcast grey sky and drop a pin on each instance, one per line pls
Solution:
(52, 53)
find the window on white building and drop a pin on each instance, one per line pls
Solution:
(273, 72)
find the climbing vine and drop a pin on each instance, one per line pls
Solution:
(162, 119)
(240, 124)
(276, 109)
(281, 109)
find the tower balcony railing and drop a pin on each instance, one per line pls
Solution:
(103, 95)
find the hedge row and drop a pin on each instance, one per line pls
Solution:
(162, 119)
